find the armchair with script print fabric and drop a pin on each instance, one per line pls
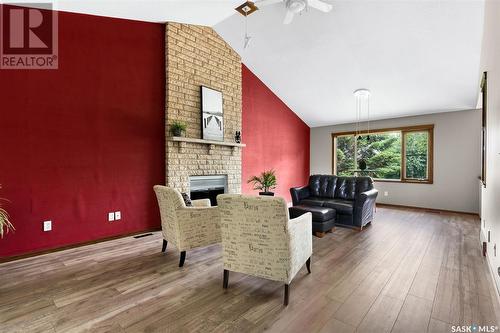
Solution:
(259, 239)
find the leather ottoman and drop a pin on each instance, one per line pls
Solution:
(323, 218)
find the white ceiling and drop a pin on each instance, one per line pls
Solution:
(202, 12)
(416, 56)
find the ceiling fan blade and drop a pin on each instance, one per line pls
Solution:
(266, 2)
(320, 5)
(288, 17)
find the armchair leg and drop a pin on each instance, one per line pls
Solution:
(308, 265)
(182, 259)
(226, 279)
(285, 303)
(164, 246)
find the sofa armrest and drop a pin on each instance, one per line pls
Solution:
(364, 206)
(300, 242)
(299, 193)
(201, 203)
(363, 197)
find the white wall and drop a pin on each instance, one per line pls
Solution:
(490, 197)
(456, 161)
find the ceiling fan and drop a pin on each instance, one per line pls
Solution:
(293, 7)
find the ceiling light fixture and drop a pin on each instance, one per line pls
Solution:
(296, 6)
(246, 9)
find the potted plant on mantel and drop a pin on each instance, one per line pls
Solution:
(265, 182)
(177, 128)
(4, 221)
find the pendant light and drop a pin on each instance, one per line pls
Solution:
(245, 9)
(362, 103)
(247, 39)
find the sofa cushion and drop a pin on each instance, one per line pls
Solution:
(363, 184)
(322, 186)
(346, 188)
(312, 201)
(341, 206)
(319, 214)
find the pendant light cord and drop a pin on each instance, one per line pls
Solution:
(368, 107)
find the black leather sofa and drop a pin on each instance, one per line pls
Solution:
(332, 200)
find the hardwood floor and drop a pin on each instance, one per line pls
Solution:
(411, 271)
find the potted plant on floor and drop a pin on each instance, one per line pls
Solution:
(265, 182)
(177, 128)
(5, 224)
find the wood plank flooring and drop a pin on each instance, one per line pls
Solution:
(411, 271)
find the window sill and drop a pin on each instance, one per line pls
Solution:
(405, 181)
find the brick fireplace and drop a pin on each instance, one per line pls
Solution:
(196, 56)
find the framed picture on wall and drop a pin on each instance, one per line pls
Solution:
(212, 114)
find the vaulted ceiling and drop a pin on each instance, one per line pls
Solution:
(415, 56)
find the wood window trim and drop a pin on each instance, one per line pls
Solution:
(403, 130)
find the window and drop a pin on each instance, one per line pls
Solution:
(396, 154)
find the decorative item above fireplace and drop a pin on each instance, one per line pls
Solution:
(212, 116)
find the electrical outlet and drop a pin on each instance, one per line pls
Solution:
(47, 225)
(386, 193)
(111, 217)
(118, 215)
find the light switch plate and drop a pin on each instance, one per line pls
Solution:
(47, 225)
(118, 215)
(111, 217)
(386, 193)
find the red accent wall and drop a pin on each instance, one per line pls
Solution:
(275, 137)
(86, 139)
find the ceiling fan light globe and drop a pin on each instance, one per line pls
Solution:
(296, 6)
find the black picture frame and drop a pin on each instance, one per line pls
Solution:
(212, 114)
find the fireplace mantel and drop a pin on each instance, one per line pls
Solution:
(211, 144)
(207, 142)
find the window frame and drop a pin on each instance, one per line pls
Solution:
(484, 127)
(403, 130)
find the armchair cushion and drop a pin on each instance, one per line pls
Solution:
(201, 203)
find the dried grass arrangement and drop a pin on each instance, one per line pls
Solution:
(5, 224)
